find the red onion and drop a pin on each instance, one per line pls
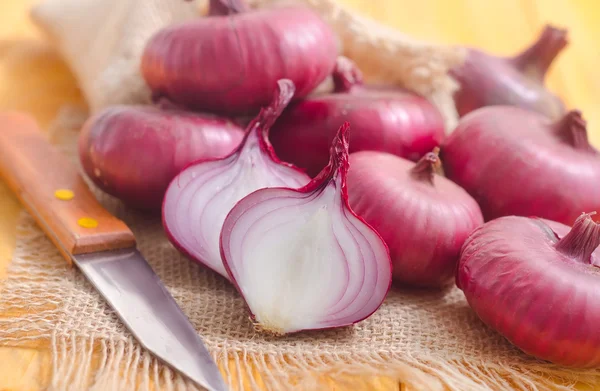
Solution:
(384, 119)
(133, 152)
(518, 162)
(302, 259)
(538, 284)
(488, 80)
(424, 218)
(230, 61)
(199, 198)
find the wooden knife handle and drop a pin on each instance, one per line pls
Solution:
(35, 170)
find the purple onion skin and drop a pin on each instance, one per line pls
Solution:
(383, 119)
(230, 62)
(133, 152)
(396, 122)
(423, 217)
(518, 162)
(487, 80)
(542, 299)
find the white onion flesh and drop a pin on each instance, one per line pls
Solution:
(200, 197)
(303, 260)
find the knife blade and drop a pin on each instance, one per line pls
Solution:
(102, 247)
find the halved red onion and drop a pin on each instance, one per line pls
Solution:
(302, 259)
(199, 198)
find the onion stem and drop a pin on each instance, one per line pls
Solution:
(536, 60)
(268, 115)
(427, 166)
(582, 240)
(571, 128)
(226, 7)
(338, 161)
(346, 75)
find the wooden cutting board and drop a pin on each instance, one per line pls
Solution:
(34, 79)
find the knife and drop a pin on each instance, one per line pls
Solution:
(102, 247)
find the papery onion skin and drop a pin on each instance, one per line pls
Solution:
(541, 297)
(133, 152)
(423, 217)
(383, 119)
(487, 80)
(200, 196)
(368, 289)
(518, 162)
(230, 62)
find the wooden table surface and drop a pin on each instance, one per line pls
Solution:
(34, 79)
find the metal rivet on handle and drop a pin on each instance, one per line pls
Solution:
(87, 222)
(64, 194)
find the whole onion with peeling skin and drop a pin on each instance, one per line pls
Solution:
(518, 162)
(133, 152)
(487, 80)
(383, 119)
(230, 61)
(423, 217)
(201, 195)
(537, 282)
(302, 259)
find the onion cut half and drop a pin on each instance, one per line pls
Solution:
(199, 198)
(302, 259)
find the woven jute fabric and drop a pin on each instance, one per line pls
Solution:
(428, 340)
(103, 40)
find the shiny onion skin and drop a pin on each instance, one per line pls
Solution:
(423, 217)
(230, 61)
(383, 119)
(133, 152)
(518, 162)
(537, 283)
(487, 80)
(302, 259)
(200, 197)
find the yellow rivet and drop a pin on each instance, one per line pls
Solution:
(64, 194)
(87, 222)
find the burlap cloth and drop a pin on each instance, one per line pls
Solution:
(430, 341)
